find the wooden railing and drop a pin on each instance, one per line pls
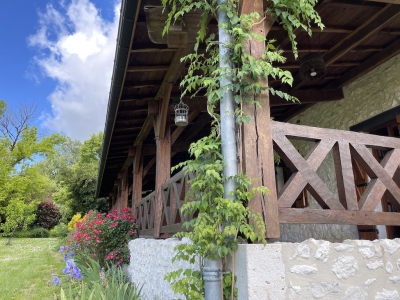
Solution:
(346, 208)
(346, 147)
(173, 196)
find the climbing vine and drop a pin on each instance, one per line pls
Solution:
(221, 223)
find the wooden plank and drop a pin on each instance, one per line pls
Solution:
(163, 171)
(301, 132)
(137, 182)
(256, 140)
(342, 217)
(296, 183)
(157, 68)
(315, 186)
(381, 176)
(373, 25)
(162, 115)
(345, 176)
(371, 63)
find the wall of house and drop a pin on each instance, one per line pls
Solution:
(313, 269)
(368, 96)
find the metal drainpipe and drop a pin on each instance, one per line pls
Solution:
(211, 271)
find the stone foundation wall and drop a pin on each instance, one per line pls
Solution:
(368, 96)
(313, 269)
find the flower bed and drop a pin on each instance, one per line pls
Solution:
(105, 236)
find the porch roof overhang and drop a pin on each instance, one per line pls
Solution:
(359, 36)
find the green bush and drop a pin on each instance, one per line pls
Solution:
(37, 232)
(60, 231)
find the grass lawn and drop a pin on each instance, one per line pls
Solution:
(27, 268)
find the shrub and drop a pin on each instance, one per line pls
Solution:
(47, 215)
(61, 231)
(75, 219)
(36, 232)
(106, 236)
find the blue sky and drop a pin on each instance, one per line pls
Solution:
(59, 54)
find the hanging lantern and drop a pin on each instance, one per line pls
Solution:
(181, 114)
(312, 66)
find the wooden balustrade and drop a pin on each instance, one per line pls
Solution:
(346, 147)
(173, 197)
(344, 208)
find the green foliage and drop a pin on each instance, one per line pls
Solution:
(23, 185)
(220, 221)
(295, 14)
(36, 232)
(108, 283)
(60, 231)
(214, 232)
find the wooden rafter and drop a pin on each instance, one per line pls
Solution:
(374, 61)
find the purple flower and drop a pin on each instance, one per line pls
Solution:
(71, 253)
(65, 257)
(56, 280)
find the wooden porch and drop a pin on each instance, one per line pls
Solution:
(141, 141)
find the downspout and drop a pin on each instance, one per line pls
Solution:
(211, 271)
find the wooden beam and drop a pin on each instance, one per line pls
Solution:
(148, 166)
(344, 217)
(373, 25)
(140, 84)
(153, 49)
(149, 68)
(371, 63)
(148, 124)
(163, 172)
(124, 191)
(137, 184)
(256, 139)
(180, 146)
(138, 156)
(202, 121)
(342, 64)
(386, 1)
(175, 69)
(309, 96)
(164, 111)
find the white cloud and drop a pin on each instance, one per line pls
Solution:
(77, 50)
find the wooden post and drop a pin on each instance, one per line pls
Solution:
(162, 131)
(137, 182)
(124, 190)
(257, 152)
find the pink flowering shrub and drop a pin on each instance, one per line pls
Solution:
(105, 236)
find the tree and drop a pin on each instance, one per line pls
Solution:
(23, 186)
(82, 178)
